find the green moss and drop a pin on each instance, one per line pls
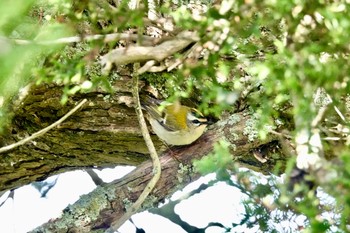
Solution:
(275, 156)
(158, 81)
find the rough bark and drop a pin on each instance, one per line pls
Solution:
(104, 133)
(97, 210)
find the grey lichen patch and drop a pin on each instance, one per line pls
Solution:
(149, 202)
(321, 98)
(250, 129)
(347, 102)
(233, 136)
(278, 122)
(233, 119)
(127, 203)
(230, 134)
(107, 97)
(87, 208)
(183, 172)
(233, 147)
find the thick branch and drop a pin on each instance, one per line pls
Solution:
(43, 131)
(104, 133)
(111, 201)
(134, 54)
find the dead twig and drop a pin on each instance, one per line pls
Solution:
(144, 40)
(153, 153)
(93, 175)
(134, 54)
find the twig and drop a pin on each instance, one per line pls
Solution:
(152, 12)
(10, 195)
(43, 131)
(145, 40)
(280, 134)
(146, 67)
(319, 116)
(150, 65)
(336, 109)
(153, 153)
(333, 138)
(154, 69)
(95, 178)
(340, 114)
(177, 62)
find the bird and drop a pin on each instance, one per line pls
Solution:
(175, 124)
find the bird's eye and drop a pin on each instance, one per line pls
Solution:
(196, 122)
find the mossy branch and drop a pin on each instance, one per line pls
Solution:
(43, 131)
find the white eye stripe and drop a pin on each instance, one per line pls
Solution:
(191, 117)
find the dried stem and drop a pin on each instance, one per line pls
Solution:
(153, 153)
(146, 40)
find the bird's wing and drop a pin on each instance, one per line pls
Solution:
(157, 115)
(174, 123)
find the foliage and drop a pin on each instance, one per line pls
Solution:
(217, 162)
(283, 59)
(303, 52)
(22, 21)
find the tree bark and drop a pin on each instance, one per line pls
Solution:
(97, 210)
(105, 133)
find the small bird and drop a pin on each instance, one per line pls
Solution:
(175, 124)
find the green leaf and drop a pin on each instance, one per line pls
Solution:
(218, 161)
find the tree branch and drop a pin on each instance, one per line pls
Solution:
(144, 39)
(134, 54)
(99, 209)
(103, 134)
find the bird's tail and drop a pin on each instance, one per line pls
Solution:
(150, 105)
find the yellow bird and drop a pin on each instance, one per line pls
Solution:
(175, 124)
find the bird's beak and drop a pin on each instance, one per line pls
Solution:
(206, 121)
